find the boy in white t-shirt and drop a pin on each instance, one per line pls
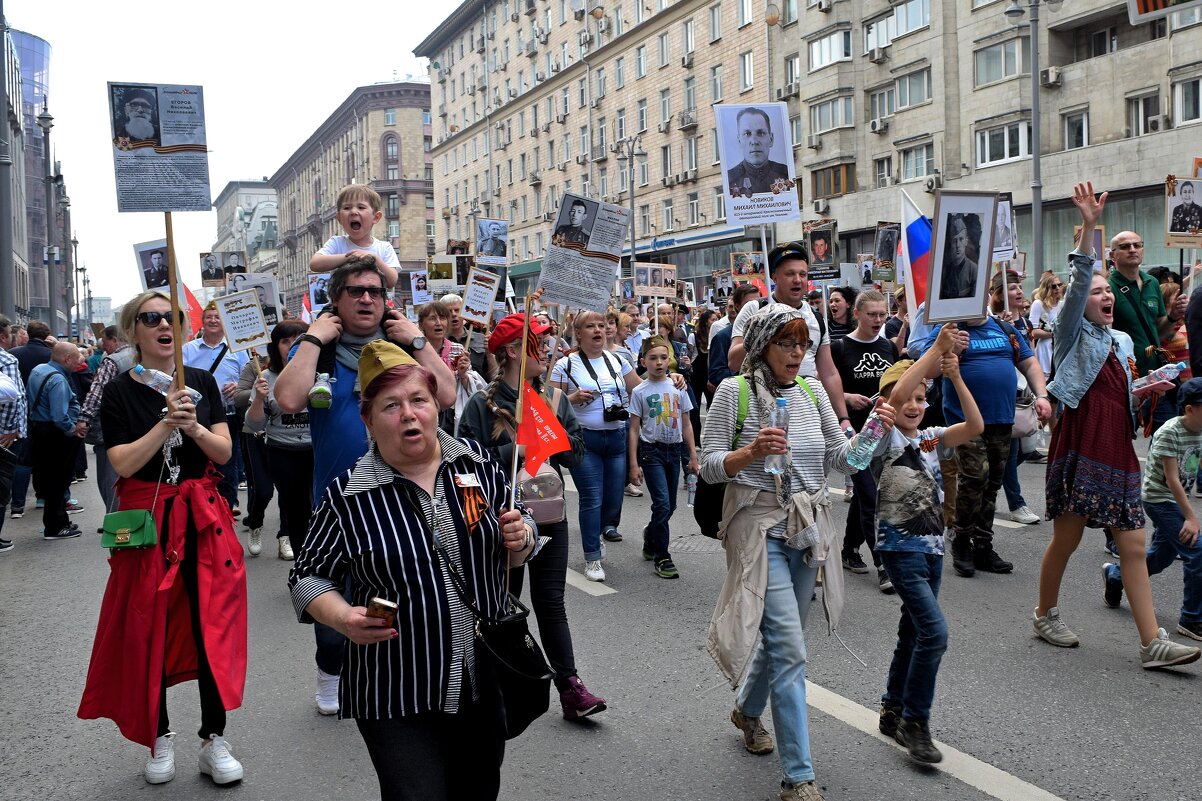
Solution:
(659, 428)
(358, 211)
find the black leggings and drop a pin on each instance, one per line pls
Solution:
(258, 482)
(548, 575)
(212, 710)
(292, 473)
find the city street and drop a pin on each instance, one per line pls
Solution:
(1018, 719)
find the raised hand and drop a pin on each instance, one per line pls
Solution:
(1089, 205)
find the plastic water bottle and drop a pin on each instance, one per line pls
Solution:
(161, 382)
(690, 484)
(863, 445)
(1159, 375)
(779, 418)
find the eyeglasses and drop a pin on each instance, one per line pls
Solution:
(875, 315)
(1057, 285)
(141, 105)
(152, 319)
(356, 292)
(789, 345)
(1130, 246)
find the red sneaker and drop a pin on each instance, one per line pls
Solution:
(578, 702)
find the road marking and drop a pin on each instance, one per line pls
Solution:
(591, 587)
(992, 781)
(997, 521)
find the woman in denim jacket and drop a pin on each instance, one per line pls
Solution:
(1093, 476)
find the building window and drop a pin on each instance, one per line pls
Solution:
(393, 172)
(600, 81)
(394, 228)
(640, 60)
(620, 124)
(690, 153)
(1103, 42)
(663, 49)
(667, 216)
(390, 148)
(1076, 130)
(390, 116)
(834, 113)
(694, 205)
(1185, 101)
(1004, 143)
(1004, 60)
(719, 204)
(715, 22)
(744, 12)
(687, 35)
(788, 12)
(620, 72)
(883, 171)
(1140, 113)
(878, 32)
(746, 71)
(392, 205)
(833, 181)
(1183, 19)
(882, 103)
(429, 228)
(665, 161)
(793, 68)
(665, 104)
(690, 94)
(644, 173)
(641, 113)
(829, 49)
(795, 129)
(644, 220)
(426, 119)
(910, 16)
(716, 83)
(914, 88)
(917, 162)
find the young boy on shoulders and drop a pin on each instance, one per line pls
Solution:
(358, 211)
(1172, 467)
(910, 537)
(659, 429)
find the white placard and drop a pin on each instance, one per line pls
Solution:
(479, 296)
(419, 283)
(756, 152)
(492, 241)
(262, 285)
(245, 327)
(582, 261)
(319, 291)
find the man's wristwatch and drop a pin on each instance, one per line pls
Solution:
(311, 338)
(418, 342)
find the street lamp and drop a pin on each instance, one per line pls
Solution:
(1014, 13)
(630, 149)
(46, 122)
(78, 270)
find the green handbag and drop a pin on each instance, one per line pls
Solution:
(135, 528)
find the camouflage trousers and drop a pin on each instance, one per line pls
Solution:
(980, 468)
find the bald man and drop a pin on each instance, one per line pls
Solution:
(56, 435)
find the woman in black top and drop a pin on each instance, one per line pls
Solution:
(840, 320)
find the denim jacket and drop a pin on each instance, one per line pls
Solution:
(1079, 347)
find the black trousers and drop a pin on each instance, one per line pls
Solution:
(53, 455)
(292, 473)
(861, 517)
(259, 491)
(548, 577)
(438, 757)
(212, 710)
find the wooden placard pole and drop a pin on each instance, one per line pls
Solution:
(177, 318)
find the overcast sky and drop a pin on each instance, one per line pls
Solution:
(272, 71)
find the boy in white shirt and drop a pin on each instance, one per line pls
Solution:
(358, 211)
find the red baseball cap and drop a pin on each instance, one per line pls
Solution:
(510, 330)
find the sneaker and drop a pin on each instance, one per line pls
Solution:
(915, 736)
(160, 768)
(242, 486)
(803, 791)
(1023, 514)
(886, 584)
(5, 545)
(321, 394)
(235, 512)
(665, 569)
(578, 702)
(1188, 629)
(1112, 590)
(756, 738)
(1035, 457)
(73, 507)
(327, 693)
(284, 547)
(1163, 652)
(593, 570)
(648, 554)
(612, 534)
(1051, 628)
(255, 543)
(1111, 549)
(67, 533)
(855, 563)
(890, 719)
(217, 762)
(633, 491)
(848, 494)
(987, 561)
(17, 514)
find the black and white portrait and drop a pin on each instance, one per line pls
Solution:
(761, 164)
(886, 242)
(319, 291)
(1003, 232)
(235, 263)
(211, 273)
(657, 277)
(573, 226)
(135, 115)
(961, 255)
(723, 286)
(642, 276)
(492, 240)
(1185, 215)
(962, 251)
(154, 269)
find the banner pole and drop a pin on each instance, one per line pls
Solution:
(177, 319)
(518, 407)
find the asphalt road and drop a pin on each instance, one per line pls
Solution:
(1019, 718)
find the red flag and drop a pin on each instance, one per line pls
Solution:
(539, 431)
(306, 314)
(195, 310)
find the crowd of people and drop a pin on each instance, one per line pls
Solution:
(388, 447)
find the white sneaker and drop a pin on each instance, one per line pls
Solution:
(1163, 652)
(255, 546)
(1023, 514)
(327, 693)
(633, 491)
(160, 768)
(1052, 629)
(217, 761)
(593, 570)
(285, 547)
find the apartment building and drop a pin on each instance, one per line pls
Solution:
(380, 136)
(248, 221)
(535, 98)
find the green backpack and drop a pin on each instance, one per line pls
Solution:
(745, 397)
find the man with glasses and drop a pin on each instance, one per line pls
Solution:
(139, 116)
(756, 172)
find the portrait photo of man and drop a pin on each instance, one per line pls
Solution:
(959, 276)
(576, 228)
(821, 254)
(1003, 231)
(234, 264)
(136, 114)
(886, 244)
(641, 276)
(757, 171)
(1187, 216)
(657, 276)
(491, 240)
(319, 294)
(210, 269)
(154, 267)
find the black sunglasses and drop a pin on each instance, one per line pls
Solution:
(152, 319)
(356, 292)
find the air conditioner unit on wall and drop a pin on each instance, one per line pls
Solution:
(814, 142)
(877, 55)
(825, 6)
(878, 126)
(933, 183)
(1160, 123)
(1050, 77)
(822, 206)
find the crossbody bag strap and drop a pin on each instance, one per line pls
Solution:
(745, 398)
(588, 365)
(1125, 291)
(38, 397)
(220, 355)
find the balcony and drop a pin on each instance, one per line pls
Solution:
(687, 120)
(535, 178)
(600, 153)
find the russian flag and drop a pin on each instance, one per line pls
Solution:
(915, 250)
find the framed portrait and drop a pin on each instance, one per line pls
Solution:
(1003, 229)
(574, 223)
(319, 291)
(1101, 250)
(1182, 212)
(152, 264)
(756, 155)
(961, 255)
(822, 247)
(492, 241)
(135, 111)
(748, 266)
(885, 248)
(265, 288)
(211, 271)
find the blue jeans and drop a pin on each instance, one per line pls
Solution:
(22, 475)
(600, 478)
(661, 472)
(779, 663)
(231, 471)
(1014, 492)
(1166, 523)
(921, 632)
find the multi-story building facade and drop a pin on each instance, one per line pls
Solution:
(14, 86)
(380, 136)
(532, 95)
(248, 220)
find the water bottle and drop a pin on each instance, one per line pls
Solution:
(863, 445)
(161, 382)
(779, 418)
(690, 483)
(1161, 375)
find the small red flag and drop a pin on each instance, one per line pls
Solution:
(540, 431)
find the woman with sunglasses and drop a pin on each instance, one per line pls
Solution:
(1044, 308)
(176, 610)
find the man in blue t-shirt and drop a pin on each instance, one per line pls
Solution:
(989, 350)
